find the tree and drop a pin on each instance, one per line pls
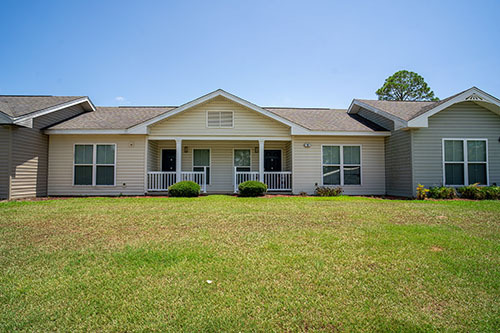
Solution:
(405, 86)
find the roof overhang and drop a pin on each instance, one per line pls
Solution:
(143, 127)
(473, 94)
(357, 105)
(27, 120)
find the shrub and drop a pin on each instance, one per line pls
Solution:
(184, 189)
(252, 188)
(491, 192)
(328, 191)
(473, 192)
(442, 192)
(421, 192)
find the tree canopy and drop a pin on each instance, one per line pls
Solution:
(405, 86)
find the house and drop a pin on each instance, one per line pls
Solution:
(66, 146)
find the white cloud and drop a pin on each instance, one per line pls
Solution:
(119, 98)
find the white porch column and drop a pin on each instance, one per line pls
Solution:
(178, 159)
(261, 160)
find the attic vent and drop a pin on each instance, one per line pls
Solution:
(474, 97)
(220, 119)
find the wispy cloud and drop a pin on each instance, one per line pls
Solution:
(119, 98)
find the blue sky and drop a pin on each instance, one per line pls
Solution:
(272, 53)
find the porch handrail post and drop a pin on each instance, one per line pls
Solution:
(261, 160)
(178, 159)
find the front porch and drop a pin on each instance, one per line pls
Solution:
(219, 166)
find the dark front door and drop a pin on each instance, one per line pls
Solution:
(272, 160)
(168, 160)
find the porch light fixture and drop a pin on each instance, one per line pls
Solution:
(307, 145)
(185, 149)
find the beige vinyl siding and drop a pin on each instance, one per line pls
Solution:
(307, 164)
(28, 163)
(463, 120)
(130, 168)
(192, 122)
(57, 116)
(154, 156)
(398, 172)
(377, 119)
(4, 164)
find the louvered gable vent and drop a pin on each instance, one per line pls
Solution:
(220, 119)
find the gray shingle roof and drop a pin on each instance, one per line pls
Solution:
(404, 109)
(112, 118)
(326, 119)
(17, 106)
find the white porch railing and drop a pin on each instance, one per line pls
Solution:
(160, 180)
(197, 177)
(278, 181)
(243, 176)
(275, 181)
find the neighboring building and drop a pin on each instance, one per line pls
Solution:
(65, 146)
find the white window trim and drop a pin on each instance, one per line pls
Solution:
(209, 162)
(465, 161)
(342, 165)
(206, 119)
(250, 166)
(94, 164)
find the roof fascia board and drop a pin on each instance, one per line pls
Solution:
(141, 128)
(219, 138)
(340, 133)
(21, 119)
(87, 131)
(398, 122)
(423, 119)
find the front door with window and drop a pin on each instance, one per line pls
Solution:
(272, 160)
(168, 160)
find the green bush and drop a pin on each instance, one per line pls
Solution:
(252, 188)
(442, 192)
(491, 192)
(184, 189)
(473, 192)
(476, 192)
(328, 191)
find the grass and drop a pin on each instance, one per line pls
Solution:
(277, 264)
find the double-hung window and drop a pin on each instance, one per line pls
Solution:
(465, 161)
(242, 160)
(94, 164)
(341, 165)
(201, 162)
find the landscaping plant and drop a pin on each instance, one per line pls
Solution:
(421, 192)
(442, 192)
(328, 191)
(252, 188)
(185, 188)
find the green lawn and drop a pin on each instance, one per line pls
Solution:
(277, 264)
